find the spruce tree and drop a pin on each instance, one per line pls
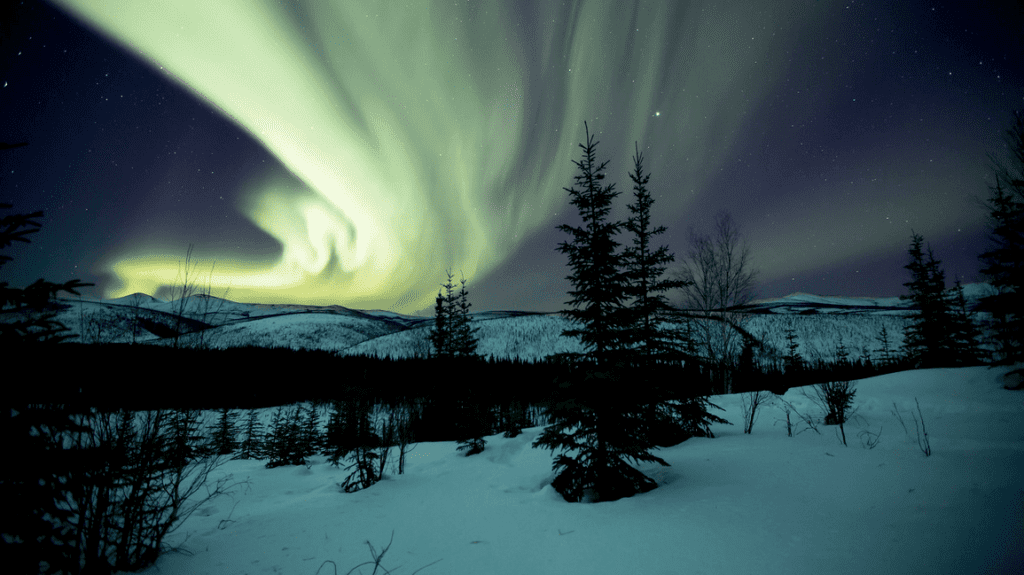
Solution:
(185, 439)
(464, 339)
(472, 437)
(39, 474)
(310, 441)
(645, 267)
(335, 437)
(283, 443)
(223, 436)
(446, 320)
(842, 357)
(361, 446)
(252, 438)
(964, 333)
(438, 336)
(512, 417)
(928, 339)
(473, 421)
(296, 448)
(596, 417)
(886, 349)
(793, 361)
(654, 346)
(1004, 259)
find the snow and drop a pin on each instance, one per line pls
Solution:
(761, 503)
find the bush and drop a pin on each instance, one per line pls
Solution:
(836, 398)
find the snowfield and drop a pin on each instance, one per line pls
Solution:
(762, 503)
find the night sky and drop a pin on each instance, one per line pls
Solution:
(347, 152)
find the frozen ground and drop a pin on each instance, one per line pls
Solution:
(763, 503)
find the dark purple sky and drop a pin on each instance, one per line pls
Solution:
(345, 153)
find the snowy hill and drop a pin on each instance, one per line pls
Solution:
(819, 322)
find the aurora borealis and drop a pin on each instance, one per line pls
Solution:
(347, 152)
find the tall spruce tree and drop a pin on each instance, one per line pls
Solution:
(654, 346)
(928, 337)
(645, 268)
(438, 336)
(1004, 260)
(446, 320)
(597, 418)
(964, 333)
(464, 339)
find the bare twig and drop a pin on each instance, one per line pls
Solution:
(868, 439)
(377, 558)
(899, 417)
(922, 433)
(335, 565)
(751, 401)
(807, 419)
(922, 442)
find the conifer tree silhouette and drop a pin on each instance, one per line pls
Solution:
(1004, 259)
(593, 417)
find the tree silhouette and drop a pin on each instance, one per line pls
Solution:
(964, 333)
(718, 279)
(928, 337)
(1004, 260)
(34, 526)
(442, 337)
(37, 321)
(592, 416)
(464, 340)
(645, 267)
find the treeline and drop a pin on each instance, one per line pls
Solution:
(141, 377)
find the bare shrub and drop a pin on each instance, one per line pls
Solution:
(835, 398)
(809, 421)
(750, 402)
(134, 490)
(919, 429)
(377, 558)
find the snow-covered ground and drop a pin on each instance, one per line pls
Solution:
(762, 503)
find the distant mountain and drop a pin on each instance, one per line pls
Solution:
(819, 322)
(803, 303)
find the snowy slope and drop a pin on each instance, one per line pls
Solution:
(762, 503)
(821, 323)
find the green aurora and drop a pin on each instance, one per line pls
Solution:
(408, 123)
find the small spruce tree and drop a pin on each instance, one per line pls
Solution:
(252, 438)
(885, 350)
(311, 440)
(224, 432)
